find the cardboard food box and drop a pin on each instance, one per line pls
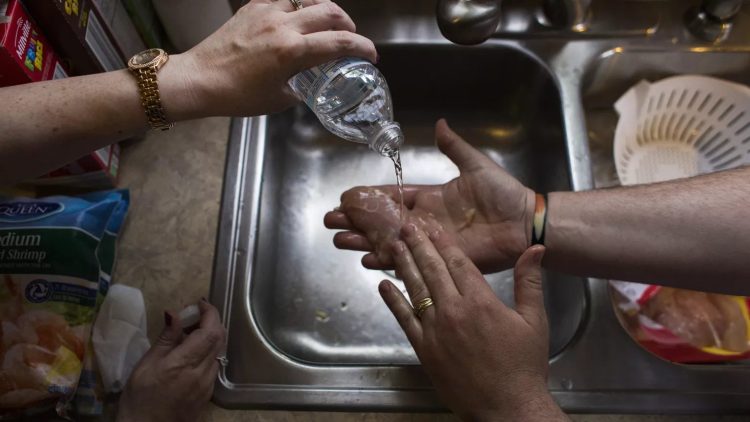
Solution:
(97, 170)
(25, 54)
(79, 33)
(121, 26)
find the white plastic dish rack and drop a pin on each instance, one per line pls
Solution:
(681, 126)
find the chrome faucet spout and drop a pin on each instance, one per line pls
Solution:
(468, 22)
(475, 21)
(570, 14)
(712, 20)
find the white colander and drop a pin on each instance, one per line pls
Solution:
(681, 126)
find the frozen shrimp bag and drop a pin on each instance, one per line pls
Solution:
(90, 395)
(49, 261)
(685, 326)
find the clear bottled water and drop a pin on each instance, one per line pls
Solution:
(351, 99)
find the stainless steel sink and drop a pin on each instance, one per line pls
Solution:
(311, 309)
(306, 326)
(317, 304)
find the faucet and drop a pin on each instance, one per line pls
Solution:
(712, 20)
(571, 14)
(475, 21)
(468, 22)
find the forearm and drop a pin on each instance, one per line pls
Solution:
(692, 233)
(48, 124)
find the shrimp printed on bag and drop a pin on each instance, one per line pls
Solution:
(50, 277)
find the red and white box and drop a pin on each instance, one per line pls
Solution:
(25, 54)
(97, 170)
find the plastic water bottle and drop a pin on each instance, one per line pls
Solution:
(351, 99)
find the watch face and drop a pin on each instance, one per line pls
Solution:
(145, 58)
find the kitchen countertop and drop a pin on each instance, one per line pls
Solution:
(167, 248)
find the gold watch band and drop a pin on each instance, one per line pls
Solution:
(150, 98)
(148, 86)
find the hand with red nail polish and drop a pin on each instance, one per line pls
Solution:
(486, 210)
(175, 379)
(488, 362)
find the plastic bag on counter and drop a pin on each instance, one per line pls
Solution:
(685, 326)
(90, 395)
(49, 290)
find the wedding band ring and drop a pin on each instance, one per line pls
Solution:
(422, 306)
(297, 4)
(223, 361)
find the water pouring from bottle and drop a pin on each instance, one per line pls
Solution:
(351, 99)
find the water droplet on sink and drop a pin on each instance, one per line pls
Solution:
(344, 305)
(322, 316)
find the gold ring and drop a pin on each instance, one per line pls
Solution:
(297, 4)
(422, 306)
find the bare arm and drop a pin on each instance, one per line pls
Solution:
(240, 70)
(691, 233)
(47, 124)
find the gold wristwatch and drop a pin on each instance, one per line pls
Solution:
(144, 67)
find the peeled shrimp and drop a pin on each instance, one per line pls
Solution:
(28, 370)
(26, 366)
(51, 331)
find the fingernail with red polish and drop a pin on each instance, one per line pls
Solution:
(167, 319)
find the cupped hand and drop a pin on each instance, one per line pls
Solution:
(242, 69)
(175, 379)
(485, 209)
(486, 361)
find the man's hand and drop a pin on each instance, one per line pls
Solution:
(242, 69)
(486, 361)
(175, 379)
(485, 209)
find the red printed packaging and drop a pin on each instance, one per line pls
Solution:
(25, 54)
(79, 33)
(684, 326)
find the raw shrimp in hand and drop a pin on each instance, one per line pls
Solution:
(485, 209)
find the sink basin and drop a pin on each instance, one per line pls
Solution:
(305, 317)
(317, 304)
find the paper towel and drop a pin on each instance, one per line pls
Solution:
(119, 335)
